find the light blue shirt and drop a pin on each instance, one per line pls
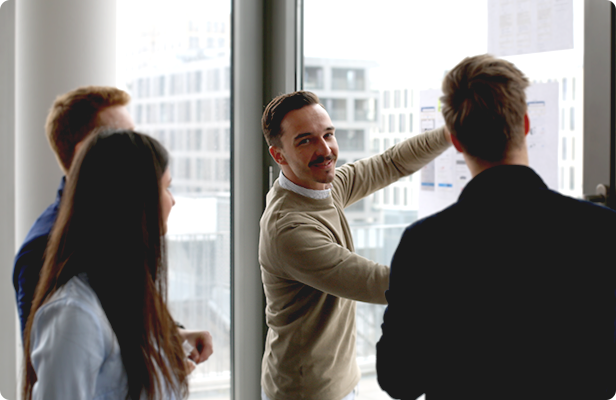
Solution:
(74, 350)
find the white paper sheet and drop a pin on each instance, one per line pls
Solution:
(529, 26)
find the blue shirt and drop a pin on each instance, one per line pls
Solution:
(29, 258)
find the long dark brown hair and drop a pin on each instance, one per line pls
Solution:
(110, 227)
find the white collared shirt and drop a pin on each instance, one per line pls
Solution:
(285, 183)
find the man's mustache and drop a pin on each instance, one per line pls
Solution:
(321, 160)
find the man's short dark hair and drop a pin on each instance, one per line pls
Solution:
(484, 104)
(278, 108)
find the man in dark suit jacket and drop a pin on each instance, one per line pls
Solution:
(508, 293)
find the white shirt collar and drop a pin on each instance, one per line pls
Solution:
(285, 183)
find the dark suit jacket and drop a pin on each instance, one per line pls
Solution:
(29, 258)
(507, 294)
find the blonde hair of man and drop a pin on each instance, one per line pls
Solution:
(74, 115)
(484, 103)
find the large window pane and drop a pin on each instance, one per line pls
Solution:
(387, 56)
(175, 63)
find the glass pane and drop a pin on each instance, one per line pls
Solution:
(381, 59)
(175, 63)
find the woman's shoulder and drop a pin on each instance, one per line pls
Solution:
(74, 304)
(77, 292)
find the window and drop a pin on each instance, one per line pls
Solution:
(198, 140)
(160, 89)
(396, 99)
(337, 108)
(571, 178)
(392, 123)
(347, 79)
(386, 99)
(363, 110)
(313, 78)
(572, 119)
(564, 148)
(350, 140)
(399, 82)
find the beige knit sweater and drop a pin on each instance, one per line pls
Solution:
(312, 277)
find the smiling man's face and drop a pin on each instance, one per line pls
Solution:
(309, 149)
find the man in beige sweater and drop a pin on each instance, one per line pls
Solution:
(311, 275)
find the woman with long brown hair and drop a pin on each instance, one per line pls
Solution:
(99, 326)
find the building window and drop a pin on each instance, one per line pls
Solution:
(348, 79)
(571, 178)
(160, 90)
(226, 140)
(336, 108)
(184, 111)
(392, 123)
(385, 144)
(212, 83)
(375, 146)
(402, 123)
(406, 98)
(226, 109)
(396, 196)
(572, 148)
(562, 119)
(386, 99)
(187, 168)
(150, 112)
(171, 139)
(564, 148)
(198, 78)
(396, 99)
(138, 113)
(170, 112)
(177, 84)
(199, 111)
(564, 88)
(363, 110)
(572, 123)
(212, 140)
(198, 142)
(572, 88)
(208, 109)
(350, 140)
(411, 122)
(313, 78)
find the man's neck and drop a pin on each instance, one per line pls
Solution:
(476, 165)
